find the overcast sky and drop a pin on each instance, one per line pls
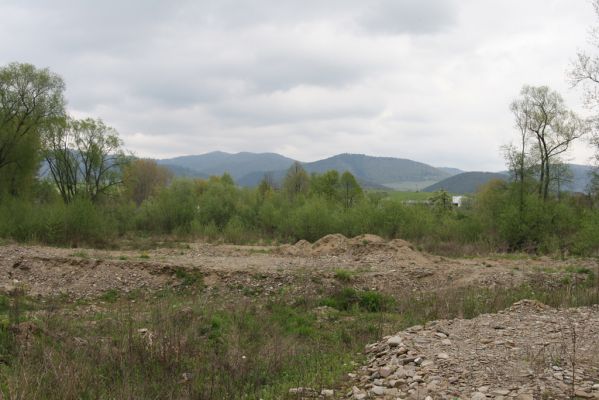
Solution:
(429, 80)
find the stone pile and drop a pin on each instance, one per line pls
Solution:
(527, 352)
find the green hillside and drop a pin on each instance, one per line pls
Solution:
(467, 182)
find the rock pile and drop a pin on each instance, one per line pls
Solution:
(529, 351)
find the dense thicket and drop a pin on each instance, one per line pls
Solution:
(216, 209)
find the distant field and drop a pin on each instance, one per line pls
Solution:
(410, 186)
(404, 196)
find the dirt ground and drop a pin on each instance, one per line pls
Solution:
(523, 353)
(394, 267)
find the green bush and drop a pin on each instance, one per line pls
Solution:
(347, 299)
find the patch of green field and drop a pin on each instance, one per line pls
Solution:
(407, 196)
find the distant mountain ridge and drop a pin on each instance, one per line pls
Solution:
(451, 171)
(248, 169)
(466, 182)
(469, 182)
(580, 178)
(237, 165)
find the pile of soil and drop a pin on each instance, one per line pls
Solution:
(359, 247)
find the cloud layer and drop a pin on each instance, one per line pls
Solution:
(429, 80)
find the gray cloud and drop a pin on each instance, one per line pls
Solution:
(424, 79)
(409, 16)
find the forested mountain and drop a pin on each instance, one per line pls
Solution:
(249, 168)
(467, 182)
(238, 164)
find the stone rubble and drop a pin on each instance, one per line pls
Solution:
(522, 353)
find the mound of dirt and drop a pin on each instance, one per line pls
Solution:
(302, 248)
(330, 245)
(525, 352)
(366, 240)
(362, 246)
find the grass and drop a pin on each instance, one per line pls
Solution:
(145, 350)
(343, 275)
(189, 277)
(178, 344)
(348, 299)
(110, 296)
(80, 254)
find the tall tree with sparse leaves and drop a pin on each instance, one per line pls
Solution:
(350, 189)
(297, 181)
(84, 157)
(551, 126)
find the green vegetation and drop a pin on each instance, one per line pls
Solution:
(348, 299)
(216, 210)
(409, 196)
(183, 345)
(343, 275)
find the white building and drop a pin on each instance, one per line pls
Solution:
(457, 200)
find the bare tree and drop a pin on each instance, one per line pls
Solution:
(585, 73)
(585, 70)
(520, 162)
(561, 175)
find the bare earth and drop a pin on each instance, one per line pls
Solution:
(393, 267)
(523, 353)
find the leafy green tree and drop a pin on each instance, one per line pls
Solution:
(297, 181)
(227, 179)
(350, 189)
(326, 185)
(441, 200)
(266, 185)
(29, 99)
(85, 157)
